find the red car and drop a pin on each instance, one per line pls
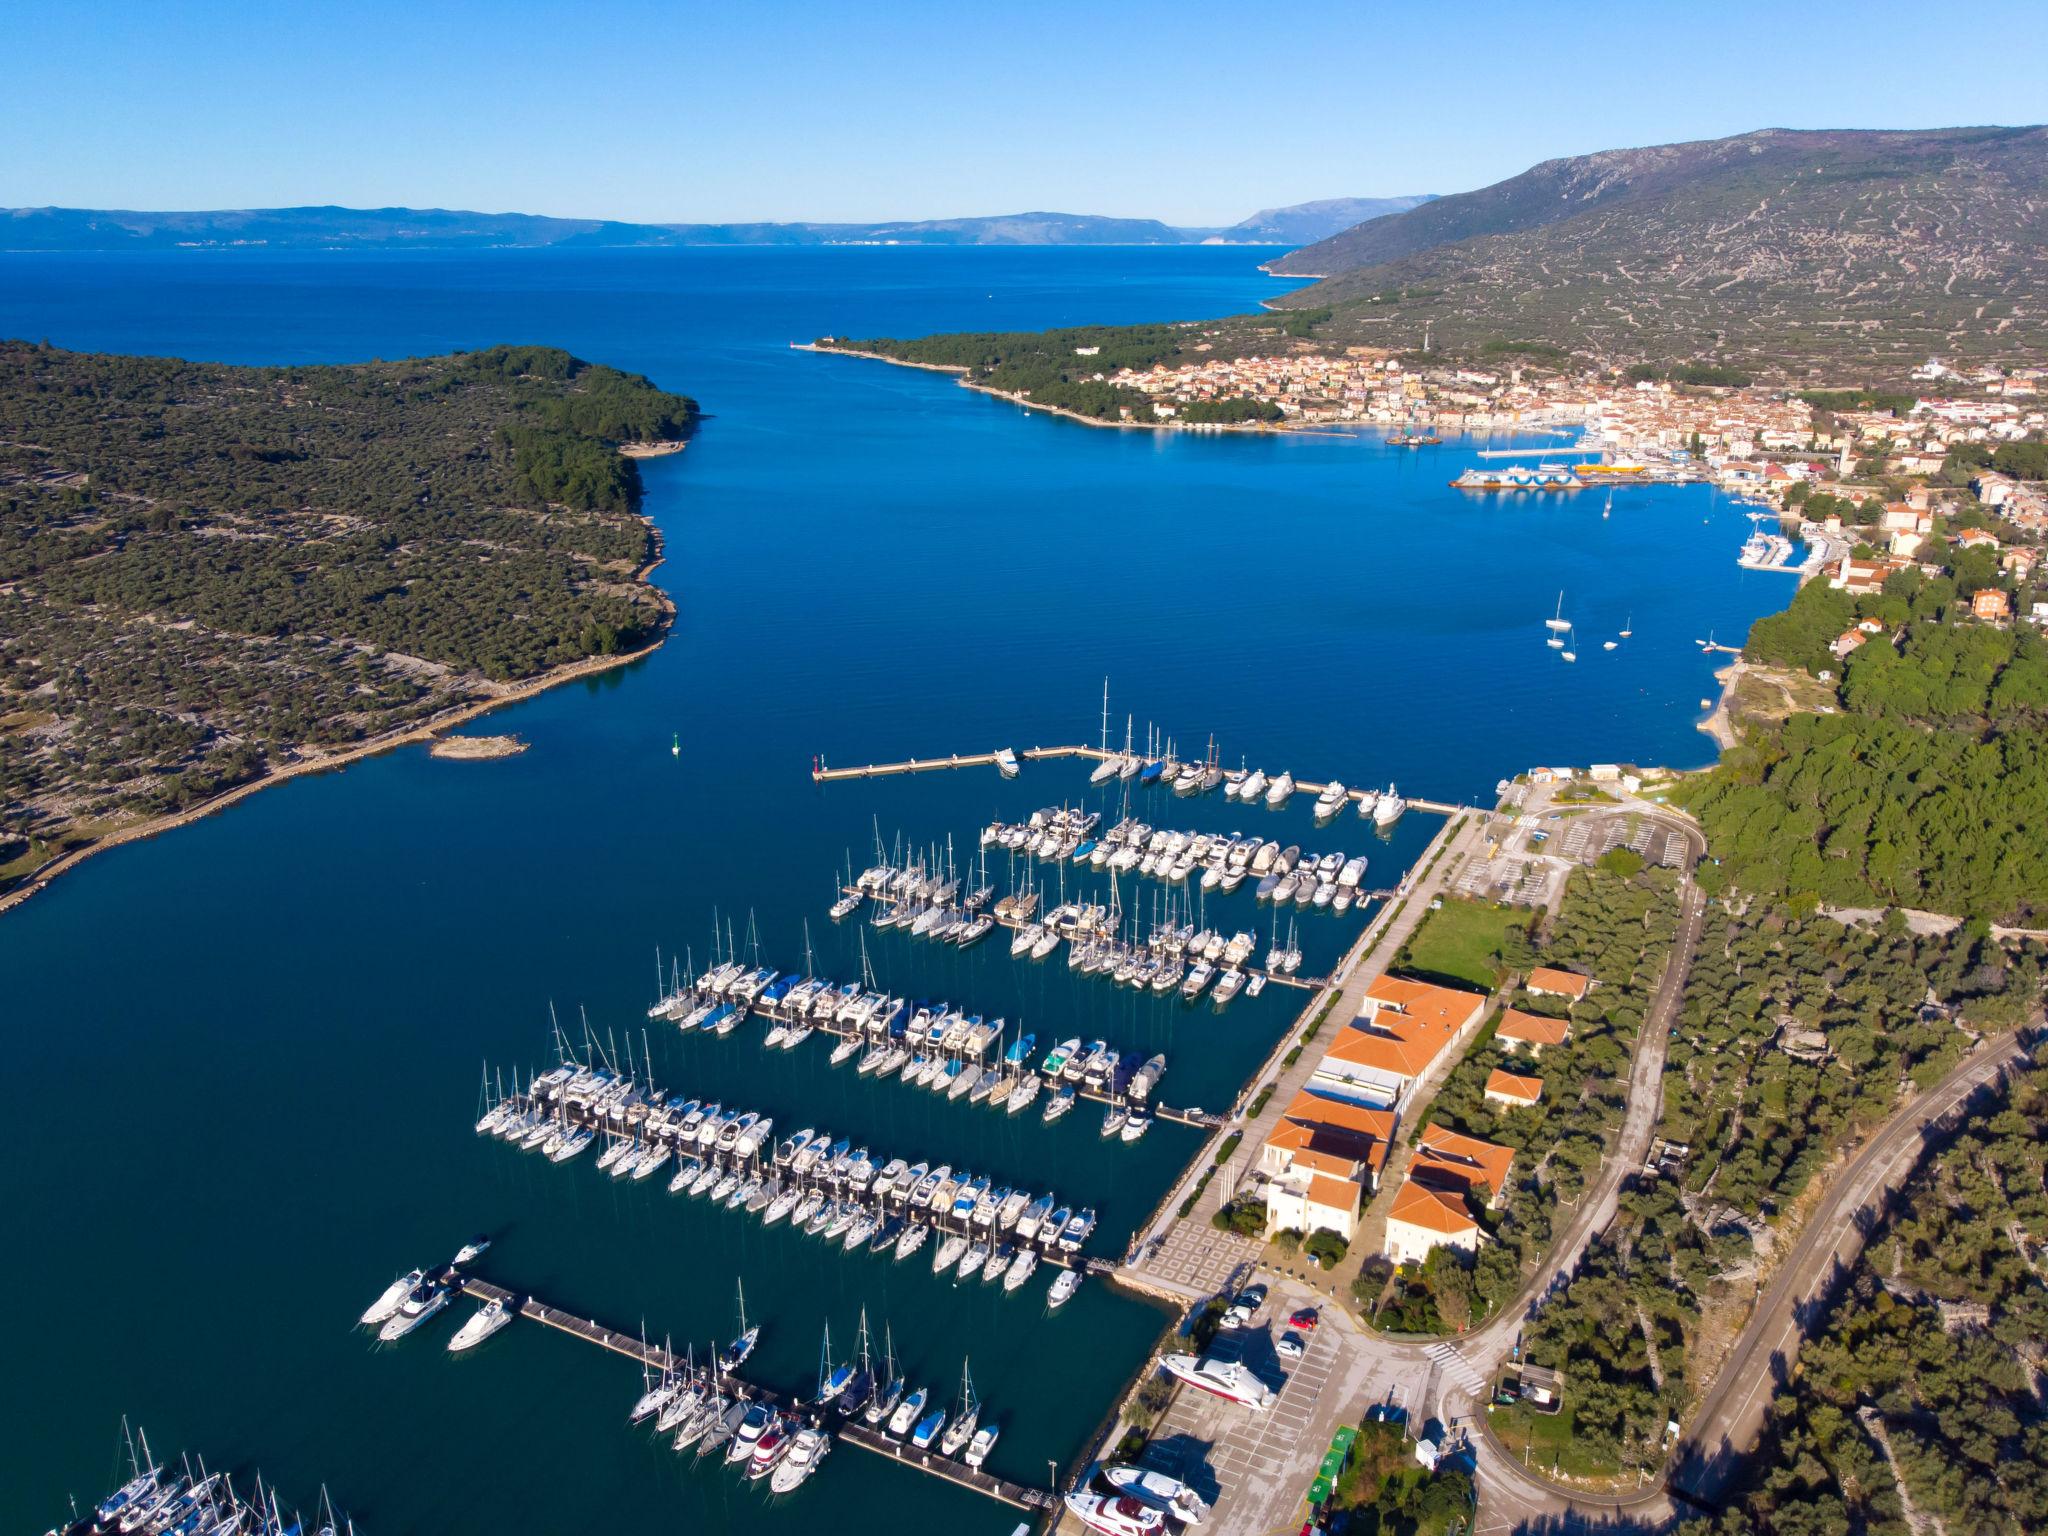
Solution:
(1306, 1320)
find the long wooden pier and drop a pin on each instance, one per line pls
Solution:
(824, 775)
(654, 1356)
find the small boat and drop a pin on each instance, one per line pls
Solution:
(928, 1428)
(908, 1412)
(485, 1321)
(913, 1238)
(1139, 1121)
(472, 1250)
(1064, 1285)
(1113, 1121)
(1331, 800)
(949, 1254)
(1021, 1269)
(983, 1442)
(1059, 1104)
(736, 1352)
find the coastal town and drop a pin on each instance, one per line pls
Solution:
(1350, 842)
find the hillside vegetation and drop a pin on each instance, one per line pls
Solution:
(1811, 249)
(208, 573)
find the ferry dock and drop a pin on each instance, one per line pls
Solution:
(656, 1357)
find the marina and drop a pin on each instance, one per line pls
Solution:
(1150, 771)
(405, 915)
(933, 1045)
(827, 1188)
(186, 1499)
(717, 1386)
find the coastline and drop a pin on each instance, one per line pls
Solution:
(1719, 724)
(1200, 428)
(413, 735)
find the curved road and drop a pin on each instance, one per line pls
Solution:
(1730, 1417)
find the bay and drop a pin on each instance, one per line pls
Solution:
(248, 1051)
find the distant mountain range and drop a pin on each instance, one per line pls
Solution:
(1771, 247)
(1306, 222)
(327, 228)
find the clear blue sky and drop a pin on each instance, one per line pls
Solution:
(779, 109)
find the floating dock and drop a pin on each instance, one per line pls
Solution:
(654, 1356)
(575, 1098)
(821, 774)
(777, 1010)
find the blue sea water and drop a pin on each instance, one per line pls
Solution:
(248, 1051)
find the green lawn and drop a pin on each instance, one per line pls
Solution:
(1461, 941)
(1549, 1439)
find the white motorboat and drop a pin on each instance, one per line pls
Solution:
(485, 1321)
(1226, 1379)
(1331, 800)
(388, 1302)
(1116, 1514)
(1021, 1269)
(420, 1303)
(807, 1451)
(472, 1250)
(1159, 1490)
(983, 1442)
(1389, 808)
(1063, 1287)
(1280, 790)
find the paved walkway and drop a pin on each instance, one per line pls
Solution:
(1174, 1259)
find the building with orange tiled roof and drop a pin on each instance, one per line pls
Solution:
(1321, 1161)
(1546, 980)
(1518, 1031)
(1402, 1027)
(1513, 1091)
(1432, 1208)
(1444, 1156)
(1423, 1218)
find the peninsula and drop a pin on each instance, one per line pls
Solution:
(214, 577)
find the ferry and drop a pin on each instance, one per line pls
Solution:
(1519, 477)
(1225, 1379)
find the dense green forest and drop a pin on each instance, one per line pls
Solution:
(1919, 1406)
(1059, 368)
(1617, 929)
(206, 570)
(1927, 788)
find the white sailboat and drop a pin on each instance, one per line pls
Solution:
(1568, 653)
(1558, 620)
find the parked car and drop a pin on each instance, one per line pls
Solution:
(1305, 1320)
(1290, 1346)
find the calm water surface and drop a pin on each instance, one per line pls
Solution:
(251, 1049)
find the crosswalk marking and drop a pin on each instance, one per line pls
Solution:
(1458, 1368)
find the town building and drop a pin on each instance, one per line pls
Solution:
(1513, 1091)
(1532, 1032)
(1402, 1027)
(1321, 1162)
(1433, 1207)
(1547, 981)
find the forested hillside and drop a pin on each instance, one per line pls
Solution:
(1919, 1407)
(207, 572)
(1928, 787)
